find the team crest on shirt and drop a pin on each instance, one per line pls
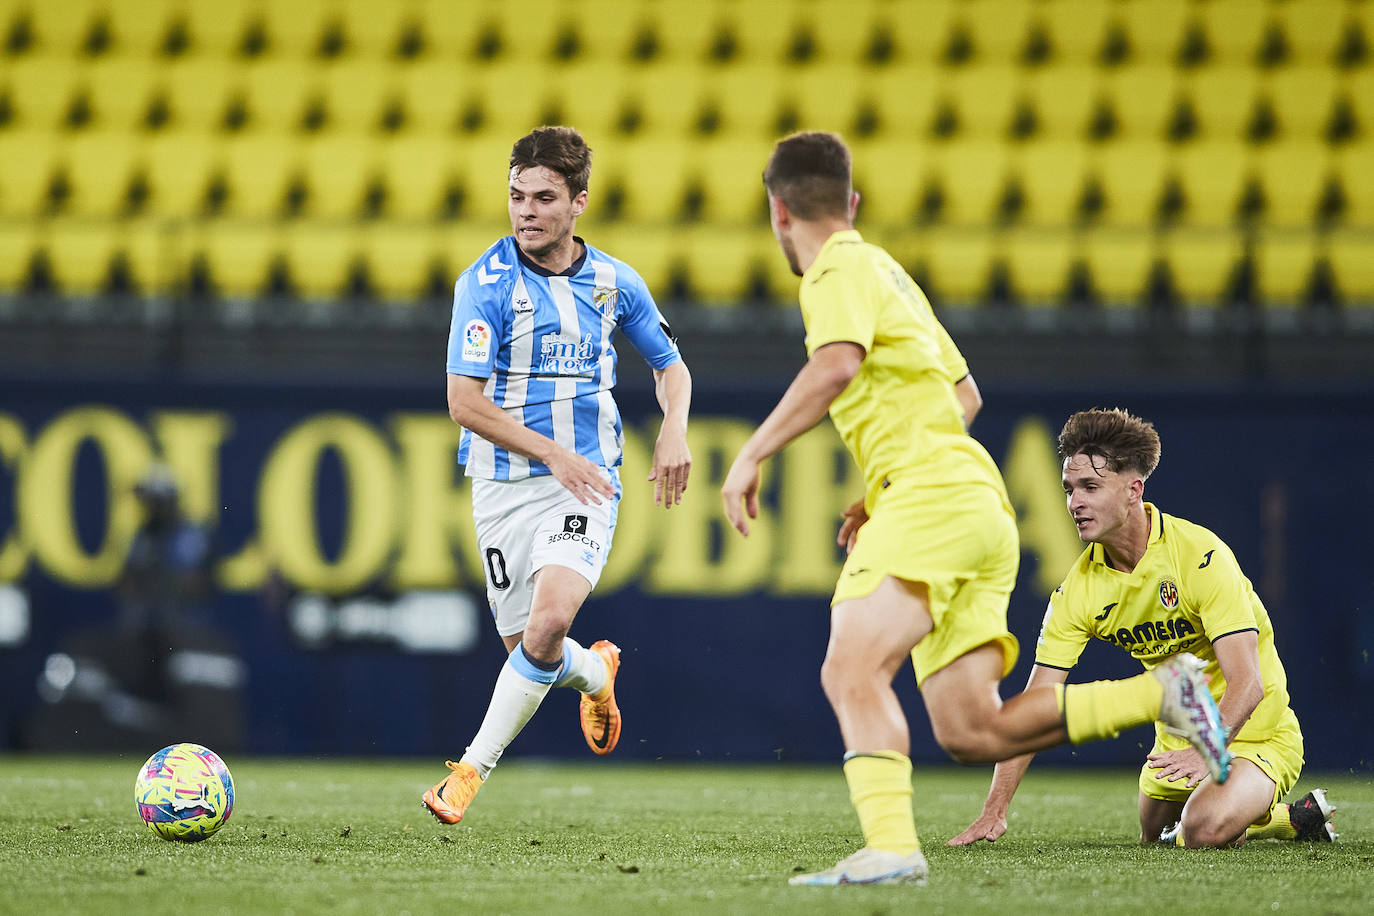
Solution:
(1168, 594)
(476, 341)
(605, 298)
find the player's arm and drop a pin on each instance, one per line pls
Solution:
(826, 374)
(1238, 656)
(470, 408)
(1006, 776)
(970, 398)
(672, 457)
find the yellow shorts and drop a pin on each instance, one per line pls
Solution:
(961, 541)
(1279, 756)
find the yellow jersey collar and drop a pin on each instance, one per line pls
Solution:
(836, 238)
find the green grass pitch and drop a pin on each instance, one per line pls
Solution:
(349, 836)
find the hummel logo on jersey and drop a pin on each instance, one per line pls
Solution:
(522, 305)
(1105, 611)
(575, 524)
(494, 263)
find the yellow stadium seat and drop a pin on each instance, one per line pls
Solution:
(400, 257)
(1283, 265)
(373, 28)
(339, 168)
(826, 97)
(61, 28)
(905, 97)
(1355, 169)
(984, 97)
(180, 165)
(720, 262)
(1131, 174)
(139, 27)
(447, 36)
(606, 29)
(28, 160)
(1039, 262)
(356, 92)
(1359, 90)
(1351, 255)
(1119, 262)
(417, 170)
(588, 95)
(684, 29)
(433, 92)
(198, 89)
(731, 173)
(1154, 28)
(958, 263)
(156, 253)
(294, 29)
(654, 174)
(1212, 176)
(79, 253)
(320, 257)
(277, 91)
(1302, 98)
(973, 177)
(921, 31)
(500, 92)
(217, 27)
(528, 31)
(239, 256)
(41, 89)
(746, 96)
(998, 29)
(652, 250)
(1223, 99)
(1293, 175)
(19, 240)
(120, 90)
(1143, 98)
(1202, 263)
(1052, 175)
(1077, 29)
(100, 166)
(485, 163)
(1063, 97)
(1235, 29)
(683, 83)
(890, 175)
(258, 169)
(842, 32)
(761, 31)
(1312, 29)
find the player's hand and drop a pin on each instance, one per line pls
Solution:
(1175, 765)
(740, 492)
(988, 827)
(584, 480)
(672, 465)
(854, 518)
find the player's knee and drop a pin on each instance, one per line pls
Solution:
(1201, 830)
(965, 742)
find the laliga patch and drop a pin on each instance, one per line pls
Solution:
(1168, 594)
(476, 341)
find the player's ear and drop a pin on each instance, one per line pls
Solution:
(853, 205)
(778, 211)
(579, 203)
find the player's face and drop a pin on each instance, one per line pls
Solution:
(542, 212)
(1099, 499)
(782, 232)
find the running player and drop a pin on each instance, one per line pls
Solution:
(1157, 585)
(933, 548)
(530, 372)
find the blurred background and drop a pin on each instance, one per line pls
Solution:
(229, 232)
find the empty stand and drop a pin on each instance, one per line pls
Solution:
(400, 258)
(1051, 175)
(1292, 176)
(1351, 255)
(80, 253)
(721, 262)
(238, 255)
(40, 89)
(179, 167)
(1283, 265)
(320, 257)
(973, 177)
(1302, 99)
(99, 167)
(958, 263)
(1201, 264)
(28, 162)
(1120, 262)
(1077, 29)
(1131, 175)
(1212, 177)
(1039, 264)
(1234, 29)
(340, 168)
(19, 242)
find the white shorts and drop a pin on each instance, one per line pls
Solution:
(525, 525)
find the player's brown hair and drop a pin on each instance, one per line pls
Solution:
(809, 172)
(559, 149)
(1120, 440)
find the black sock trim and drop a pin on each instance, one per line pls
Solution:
(542, 666)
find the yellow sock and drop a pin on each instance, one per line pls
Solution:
(1104, 709)
(880, 790)
(1278, 827)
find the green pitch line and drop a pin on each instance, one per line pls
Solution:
(349, 836)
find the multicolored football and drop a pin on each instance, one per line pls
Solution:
(184, 792)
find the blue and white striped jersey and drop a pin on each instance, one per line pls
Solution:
(542, 342)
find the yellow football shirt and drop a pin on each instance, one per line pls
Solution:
(899, 413)
(1186, 592)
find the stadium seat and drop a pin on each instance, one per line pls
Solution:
(905, 97)
(653, 251)
(1355, 168)
(400, 257)
(484, 163)
(1302, 98)
(217, 27)
(653, 173)
(139, 27)
(239, 256)
(890, 174)
(684, 29)
(1051, 175)
(320, 257)
(608, 29)
(500, 92)
(997, 28)
(27, 165)
(1359, 90)
(1234, 29)
(356, 92)
(1212, 176)
(197, 90)
(294, 29)
(374, 29)
(79, 253)
(1312, 29)
(1223, 100)
(761, 32)
(1039, 263)
(958, 265)
(984, 97)
(746, 97)
(1119, 262)
(1063, 97)
(258, 169)
(339, 167)
(1077, 29)
(1293, 175)
(417, 170)
(1351, 255)
(1202, 264)
(589, 95)
(19, 241)
(730, 172)
(528, 31)
(99, 167)
(843, 32)
(1154, 28)
(180, 166)
(972, 176)
(826, 97)
(448, 37)
(921, 31)
(41, 89)
(1143, 97)
(682, 81)
(433, 93)
(1131, 175)
(120, 90)
(1283, 265)
(720, 262)
(61, 28)
(277, 90)
(156, 253)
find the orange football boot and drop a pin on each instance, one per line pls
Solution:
(600, 715)
(450, 798)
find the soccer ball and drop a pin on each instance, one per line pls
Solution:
(184, 792)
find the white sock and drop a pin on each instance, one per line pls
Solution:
(520, 688)
(583, 670)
